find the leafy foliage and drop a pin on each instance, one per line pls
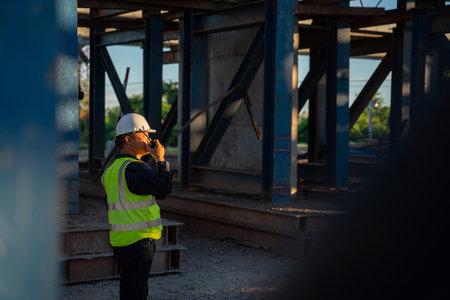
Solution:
(380, 121)
(169, 91)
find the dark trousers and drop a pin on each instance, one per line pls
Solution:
(134, 263)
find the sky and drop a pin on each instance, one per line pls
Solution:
(131, 56)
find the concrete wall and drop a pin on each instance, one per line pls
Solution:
(239, 148)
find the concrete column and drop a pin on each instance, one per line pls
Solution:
(239, 148)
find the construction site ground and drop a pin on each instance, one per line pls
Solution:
(211, 268)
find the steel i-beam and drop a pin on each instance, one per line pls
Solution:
(153, 61)
(185, 107)
(96, 105)
(337, 108)
(278, 97)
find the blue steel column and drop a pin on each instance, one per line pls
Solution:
(278, 99)
(337, 111)
(185, 107)
(67, 103)
(269, 107)
(199, 88)
(395, 117)
(153, 61)
(419, 51)
(32, 89)
(96, 104)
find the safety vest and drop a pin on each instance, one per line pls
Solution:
(131, 217)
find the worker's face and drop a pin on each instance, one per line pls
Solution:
(138, 141)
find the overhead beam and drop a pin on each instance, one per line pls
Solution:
(390, 17)
(130, 36)
(116, 23)
(370, 88)
(229, 106)
(319, 10)
(238, 17)
(192, 5)
(108, 13)
(108, 66)
(440, 22)
(323, 2)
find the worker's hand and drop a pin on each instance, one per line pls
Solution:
(158, 152)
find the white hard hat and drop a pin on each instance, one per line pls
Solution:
(132, 123)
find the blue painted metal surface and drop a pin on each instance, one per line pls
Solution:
(96, 104)
(199, 88)
(419, 51)
(395, 117)
(278, 93)
(185, 107)
(67, 103)
(338, 57)
(269, 98)
(35, 88)
(153, 61)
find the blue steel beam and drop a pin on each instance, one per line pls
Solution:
(269, 98)
(311, 80)
(67, 117)
(153, 61)
(242, 16)
(278, 93)
(370, 88)
(34, 82)
(169, 122)
(108, 66)
(419, 52)
(185, 107)
(395, 116)
(199, 88)
(96, 104)
(230, 104)
(337, 110)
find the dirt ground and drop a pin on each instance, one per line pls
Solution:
(210, 269)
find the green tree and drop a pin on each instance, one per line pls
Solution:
(380, 121)
(170, 90)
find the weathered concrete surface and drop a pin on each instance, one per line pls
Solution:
(239, 148)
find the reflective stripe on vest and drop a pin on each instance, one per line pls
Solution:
(124, 205)
(135, 226)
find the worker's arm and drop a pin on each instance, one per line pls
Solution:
(142, 180)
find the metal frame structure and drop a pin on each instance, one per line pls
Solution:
(330, 31)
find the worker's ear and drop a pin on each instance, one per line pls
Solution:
(127, 139)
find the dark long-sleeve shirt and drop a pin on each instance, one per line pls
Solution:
(143, 180)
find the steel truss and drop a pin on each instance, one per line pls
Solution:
(336, 32)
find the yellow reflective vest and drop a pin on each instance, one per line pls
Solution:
(131, 217)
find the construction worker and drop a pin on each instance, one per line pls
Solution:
(131, 187)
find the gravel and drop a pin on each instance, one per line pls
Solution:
(210, 269)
